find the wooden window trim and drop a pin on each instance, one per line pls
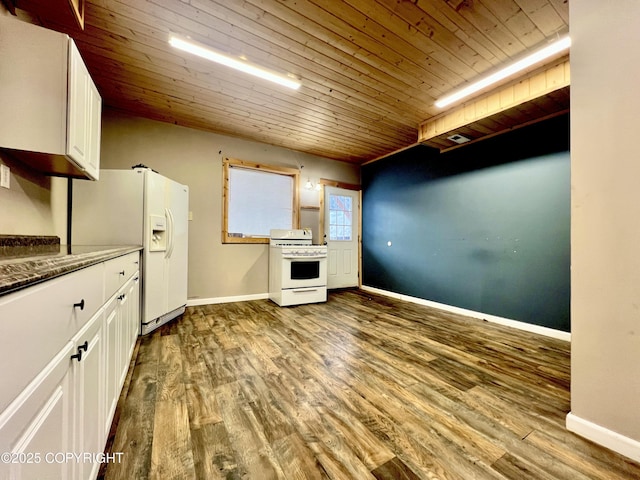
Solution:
(227, 164)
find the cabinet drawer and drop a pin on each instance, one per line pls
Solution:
(118, 271)
(37, 321)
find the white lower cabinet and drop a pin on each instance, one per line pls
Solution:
(35, 428)
(130, 321)
(112, 336)
(134, 316)
(56, 427)
(122, 323)
(87, 365)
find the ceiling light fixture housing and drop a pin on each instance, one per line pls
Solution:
(459, 139)
(208, 53)
(538, 56)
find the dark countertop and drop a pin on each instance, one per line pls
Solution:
(19, 271)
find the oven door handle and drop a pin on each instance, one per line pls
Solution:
(299, 257)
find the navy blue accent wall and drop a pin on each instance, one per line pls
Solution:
(484, 227)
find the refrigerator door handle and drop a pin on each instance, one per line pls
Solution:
(170, 233)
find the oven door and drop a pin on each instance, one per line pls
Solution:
(300, 272)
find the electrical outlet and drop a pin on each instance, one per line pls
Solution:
(5, 174)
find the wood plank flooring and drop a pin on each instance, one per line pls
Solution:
(360, 387)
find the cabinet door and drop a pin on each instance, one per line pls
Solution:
(130, 322)
(36, 427)
(112, 354)
(94, 105)
(78, 113)
(122, 362)
(89, 387)
(134, 314)
(84, 116)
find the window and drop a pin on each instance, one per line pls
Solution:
(340, 214)
(256, 199)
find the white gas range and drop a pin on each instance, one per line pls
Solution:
(297, 269)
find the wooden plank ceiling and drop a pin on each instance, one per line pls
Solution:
(370, 69)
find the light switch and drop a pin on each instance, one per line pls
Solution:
(5, 174)
(190, 215)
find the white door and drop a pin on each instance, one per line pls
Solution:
(341, 228)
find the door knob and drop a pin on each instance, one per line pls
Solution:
(79, 305)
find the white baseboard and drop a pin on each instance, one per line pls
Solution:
(194, 302)
(529, 327)
(602, 436)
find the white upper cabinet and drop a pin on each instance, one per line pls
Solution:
(83, 121)
(51, 109)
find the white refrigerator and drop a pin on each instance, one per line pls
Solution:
(139, 207)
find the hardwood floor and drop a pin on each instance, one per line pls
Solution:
(360, 387)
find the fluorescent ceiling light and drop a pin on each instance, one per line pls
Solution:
(553, 48)
(210, 54)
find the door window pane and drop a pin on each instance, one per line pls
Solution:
(340, 215)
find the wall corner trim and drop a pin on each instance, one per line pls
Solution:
(602, 436)
(194, 302)
(529, 327)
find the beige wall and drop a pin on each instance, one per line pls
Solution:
(34, 204)
(194, 158)
(605, 227)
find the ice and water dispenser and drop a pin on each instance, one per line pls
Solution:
(158, 226)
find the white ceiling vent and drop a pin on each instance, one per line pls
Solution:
(458, 138)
